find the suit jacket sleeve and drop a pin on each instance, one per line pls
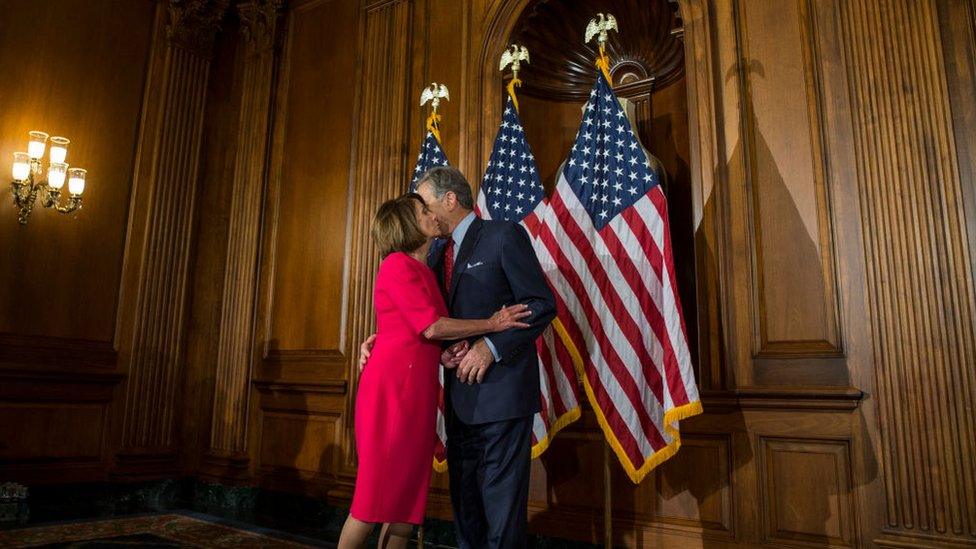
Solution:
(529, 287)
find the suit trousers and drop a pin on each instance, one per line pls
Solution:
(489, 467)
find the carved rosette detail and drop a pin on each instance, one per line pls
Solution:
(193, 24)
(259, 19)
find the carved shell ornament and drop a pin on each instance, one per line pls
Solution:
(642, 47)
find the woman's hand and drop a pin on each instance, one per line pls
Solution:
(452, 356)
(510, 317)
(364, 351)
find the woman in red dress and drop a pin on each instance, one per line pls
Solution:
(396, 406)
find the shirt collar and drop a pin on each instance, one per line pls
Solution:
(462, 229)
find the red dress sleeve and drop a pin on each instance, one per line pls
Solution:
(402, 280)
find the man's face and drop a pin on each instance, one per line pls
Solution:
(436, 205)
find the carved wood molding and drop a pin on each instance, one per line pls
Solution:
(224, 465)
(39, 472)
(305, 356)
(917, 265)
(146, 463)
(77, 385)
(332, 387)
(375, 5)
(193, 24)
(22, 351)
(235, 338)
(259, 21)
(798, 398)
(160, 231)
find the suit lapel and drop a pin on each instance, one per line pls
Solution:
(467, 247)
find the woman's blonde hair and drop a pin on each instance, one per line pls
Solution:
(395, 227)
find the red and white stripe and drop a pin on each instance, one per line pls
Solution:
(559, 386)
(558, 383)
(617, 298)
(440, 447)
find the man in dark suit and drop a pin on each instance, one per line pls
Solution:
(483, 266)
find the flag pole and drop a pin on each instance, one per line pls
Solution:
(599, 28)
(514, 56)
(433, 94)
(607, 511)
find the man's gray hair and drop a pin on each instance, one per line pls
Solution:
(446, 178)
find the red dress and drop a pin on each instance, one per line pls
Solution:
(396, 407)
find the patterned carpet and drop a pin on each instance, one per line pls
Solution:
(163, 530)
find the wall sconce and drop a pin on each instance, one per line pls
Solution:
(28, 164)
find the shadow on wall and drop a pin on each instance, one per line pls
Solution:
(692, 494)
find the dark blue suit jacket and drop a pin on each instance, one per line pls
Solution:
(495, 267)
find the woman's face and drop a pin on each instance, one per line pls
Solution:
(427, 220)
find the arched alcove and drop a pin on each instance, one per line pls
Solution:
(648, 65)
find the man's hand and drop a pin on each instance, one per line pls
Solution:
(475, 363)
(452, 356)
(364, 351)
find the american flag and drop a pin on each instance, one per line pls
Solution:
(512, 190)
(607, 252)
(431, 154)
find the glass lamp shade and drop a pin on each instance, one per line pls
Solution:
(21, 166)
(76, 181)
(59, 149)
(36, 145)
(56, 174)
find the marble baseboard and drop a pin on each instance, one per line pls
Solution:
(295, 514)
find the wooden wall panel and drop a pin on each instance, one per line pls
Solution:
(773, 242)
(806, 487)
(790, 223)
(443, 61)
(54, 427)
(281, 430)
(309, 221)
(157, 267)
(697, 489)
(300, 340)
(76, 69)
(550, 128)
(667, 137)
(919, 279)
(566, 487)
(320, 188)
(51, 430)
(298, 435)
(381, 170)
